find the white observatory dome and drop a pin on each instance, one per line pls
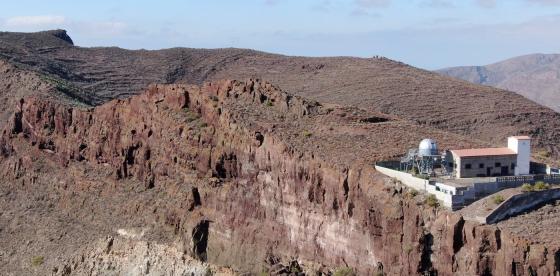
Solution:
(427, 147)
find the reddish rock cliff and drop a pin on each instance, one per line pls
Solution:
(269, 175)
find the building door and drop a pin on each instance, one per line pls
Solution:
(489, 171)
(505, 170)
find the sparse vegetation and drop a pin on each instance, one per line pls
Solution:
(543, 153)
(344, 271)
(67, 89)
(407, 249)
(411, 193)
(498, 199)
(527, 187)
(432, 201)
(37, 260)
(191, 116)
(269, 103)
(541, 186)
(306, 134)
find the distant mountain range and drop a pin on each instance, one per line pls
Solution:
(535, 76)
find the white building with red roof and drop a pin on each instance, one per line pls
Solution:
(486, 162)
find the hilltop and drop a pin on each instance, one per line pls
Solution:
(96, 75)
(193, 161)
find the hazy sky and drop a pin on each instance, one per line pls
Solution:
(425, 33)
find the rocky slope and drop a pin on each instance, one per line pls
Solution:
(96, 75)
(237, 174)
(536, 77)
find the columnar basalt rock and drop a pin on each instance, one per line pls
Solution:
(281, 180)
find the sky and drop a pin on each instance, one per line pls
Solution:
(429, 34)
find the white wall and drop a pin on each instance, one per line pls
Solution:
(523, 149)
(405, 178)
(422, 185)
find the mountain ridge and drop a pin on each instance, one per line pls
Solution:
(97, 75)
(534, 76)
(133, 162)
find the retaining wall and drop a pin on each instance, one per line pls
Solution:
(521, 203)
(405, 178)
(420, 184)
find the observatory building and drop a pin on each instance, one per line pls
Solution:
(513, 160)
(486, 162)
(458, 177)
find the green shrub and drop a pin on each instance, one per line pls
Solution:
(541, 186)
(527, 187)
(407, 249)
(344, 271)
(432, 201)
(306, 134)
(415, 171)
(411, 193)
(37, 260)
(191, 116)
(269, 103)
(498, 199)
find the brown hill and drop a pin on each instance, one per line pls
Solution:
(95, 75)
(238, 174)
(536, 77)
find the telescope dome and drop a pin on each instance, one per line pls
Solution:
(427, 147)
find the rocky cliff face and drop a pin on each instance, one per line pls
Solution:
(242, 174)
(98, 75)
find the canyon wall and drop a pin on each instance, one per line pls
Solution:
(264, 192)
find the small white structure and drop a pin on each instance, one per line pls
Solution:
(427, 147)
(521, 145)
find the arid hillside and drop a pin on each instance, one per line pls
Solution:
(96, 75)
(536, 77)
(235, 174)
(230, 161)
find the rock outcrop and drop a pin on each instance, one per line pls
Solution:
(247, 176)
(98, 75)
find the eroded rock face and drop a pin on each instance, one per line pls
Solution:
(276, 184)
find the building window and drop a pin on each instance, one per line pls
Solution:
(481, 166)
(468, 166)
(513, 166)
(498, 164)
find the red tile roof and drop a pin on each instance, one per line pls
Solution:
(483, 152)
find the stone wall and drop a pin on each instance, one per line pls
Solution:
(521, 203)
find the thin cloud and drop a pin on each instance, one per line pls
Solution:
(90, 28)
(437, 4)
(545, 2)
(33, 21)
(486, 3)
(367, 4)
